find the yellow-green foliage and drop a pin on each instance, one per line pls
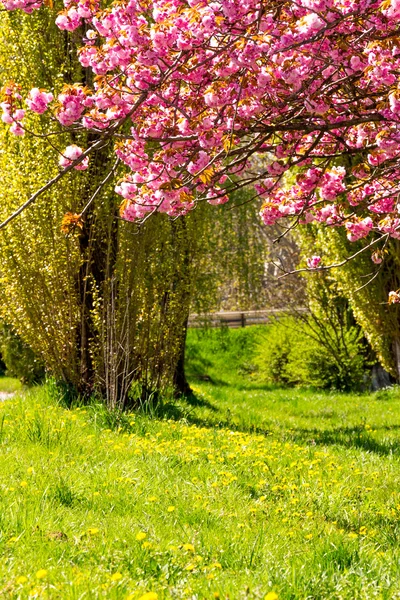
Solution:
(38, 265)
(369, 298)
(367, 295)
(102, 305)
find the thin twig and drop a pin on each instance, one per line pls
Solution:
(340, 264)
(96, 146)
(101, 185)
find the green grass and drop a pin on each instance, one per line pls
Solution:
(9, 385)
(243, 491)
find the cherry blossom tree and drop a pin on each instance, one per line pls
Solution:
(189, 92)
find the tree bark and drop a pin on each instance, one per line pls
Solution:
(181, 384)
(396, 355)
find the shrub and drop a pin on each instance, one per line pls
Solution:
(19, 359)
(293, 351)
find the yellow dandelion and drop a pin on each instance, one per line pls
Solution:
(140, 536)
(41, 574)
(23, 483)
(92, 531)
(171, 508)
(188, 547)
(149, 596)
(116, 576)
(21, 580)
(363, 530)
(271, 596)
(12, 540)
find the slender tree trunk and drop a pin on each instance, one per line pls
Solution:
(98, 250)
(180, 382)
(85, 331)
(396, 356)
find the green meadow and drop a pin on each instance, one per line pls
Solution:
(241, 491)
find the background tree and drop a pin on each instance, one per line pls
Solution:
(366, 284)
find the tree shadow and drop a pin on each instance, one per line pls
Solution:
(176, 409)
(250, 386)
(349, 437)
(205, 378)
(260, 387)
(184, 410)
(197, 401)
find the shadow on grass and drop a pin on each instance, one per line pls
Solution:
(158, 409)
(206, 378)
(184, 410)
(197, 401)
(243, 386)
(349, 437)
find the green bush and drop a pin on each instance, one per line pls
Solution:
(19, 359)
(290, 353)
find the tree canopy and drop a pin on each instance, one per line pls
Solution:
(190, 92)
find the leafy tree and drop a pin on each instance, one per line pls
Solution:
(191, 92)
(101, 302)
(366, 285)
(188, 94)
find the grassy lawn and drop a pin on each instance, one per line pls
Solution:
(9, 385)
(244, 492)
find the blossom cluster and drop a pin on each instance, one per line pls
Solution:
(71, 154)
(12, 113)
(192, 90)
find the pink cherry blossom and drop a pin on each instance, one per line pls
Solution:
(313, 262)
(358, 229)
(376, 257)
(394, 298)
(38, 100)
(301, 101)
(70, 154)
(17, 129)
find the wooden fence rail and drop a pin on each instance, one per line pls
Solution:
(235, 319)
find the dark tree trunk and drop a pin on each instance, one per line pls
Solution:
(85, 331)
(98, 252)
(180, 382)
(396, 356)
